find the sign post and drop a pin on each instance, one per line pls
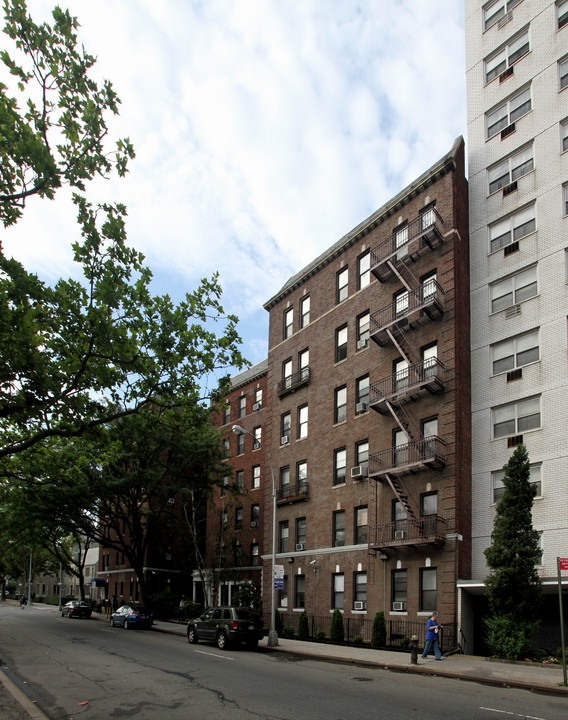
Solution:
(562, 565)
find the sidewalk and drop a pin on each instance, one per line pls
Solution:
(538, 678)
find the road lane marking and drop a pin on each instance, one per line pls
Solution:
(506, 712)
(223, 657)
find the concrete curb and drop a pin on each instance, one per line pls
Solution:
(28, 705)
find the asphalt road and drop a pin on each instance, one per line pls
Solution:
(73, 667)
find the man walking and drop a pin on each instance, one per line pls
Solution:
(432, 629)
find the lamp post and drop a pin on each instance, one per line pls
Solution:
(272, 635)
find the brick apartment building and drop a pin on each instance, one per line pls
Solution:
(367, 415)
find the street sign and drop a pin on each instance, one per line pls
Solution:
(279, 571)
(279, 583)
(563, 563)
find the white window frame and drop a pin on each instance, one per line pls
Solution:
(565, 199)
(563, 73)
(521, 416)
(500, 61)
(520, 350)
(255, 477)
(508, 112)
(512, 228)
(305, 304)
(497, 8)
(302, 422)
(510, 169)
(342, 285)
(498, 488)
(518, 286)
(340, 403)
(364, 270)
(288, 322)
(561, 13)
(564, 133)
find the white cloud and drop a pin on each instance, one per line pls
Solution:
(264, 131)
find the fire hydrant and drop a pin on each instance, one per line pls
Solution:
(414, 650)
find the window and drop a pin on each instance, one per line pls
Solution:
(362, 394)
(563, 72)
(304, 364)
(254, 513)
(510, 169)
(515, 353)
(283, 594)
(258, 397)
(224, 485)
(516, 418)
(257, 433)
(285, 425)
(226, 448)
(512, 229)
(428, 513)
(304, 311)
(499, 485)
(507, 56)
(227, 414)
(283, 536)
(242, 406)
(299, 591)
(565, 198)
(400, 302)
(362, 453)
(255, 476)
(401, 242)
(363, 323)
(238, 518)
(428, 589)
(400, 520)
(338, 591)
(285, 481)
(224, 520)
(399, 583)
(254, 556)
(339, 466)
(427, 217)
(564, 133)
(301, 531)
(287, 372)
(240, 444)
(562, 12)
(360, 588)
(508, 112)
(341, 343)
(400, 447)
(301, 472)
(361, 524)
(429, 286)
(340, 405)
(303, 421)
(364, 274)
(513, 289)
(430, 360)
(342, 285)
(494, 11)
(338, 539)
(288, 322)
(240, 480)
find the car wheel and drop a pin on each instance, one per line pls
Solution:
(191, 636)
(252, 644)
(222, 642)
(126, 624)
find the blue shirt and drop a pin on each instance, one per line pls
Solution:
(431, 633)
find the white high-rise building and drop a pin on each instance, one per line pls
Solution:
(517, 114)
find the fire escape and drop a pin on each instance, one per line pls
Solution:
(413, 450)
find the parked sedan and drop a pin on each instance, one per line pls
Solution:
(129, 616)
(76, 608)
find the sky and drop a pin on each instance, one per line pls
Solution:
(264, 131)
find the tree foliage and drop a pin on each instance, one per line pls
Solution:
(513, 585)
(379, 632)
(53, 131)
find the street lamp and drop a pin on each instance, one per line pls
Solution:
(272, 635)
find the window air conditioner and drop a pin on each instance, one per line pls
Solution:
(254, 524)
(256, 406)
(359, 471)
(398, 606)
(359, 605)
(284, 440)
(362, 343)
(361, 407)
(399, 534)
(300, 546)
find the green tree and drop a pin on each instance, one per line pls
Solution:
(85, 352)
(336, 631)
(303, 628)
(379, 631)
(53, 129)
(513, 585)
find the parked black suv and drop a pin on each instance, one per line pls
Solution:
(226, 625)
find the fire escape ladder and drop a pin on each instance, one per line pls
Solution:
(404, 421)
(401, 494)
(372, 518)
(399, 275)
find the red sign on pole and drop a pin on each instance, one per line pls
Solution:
(563, 562)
